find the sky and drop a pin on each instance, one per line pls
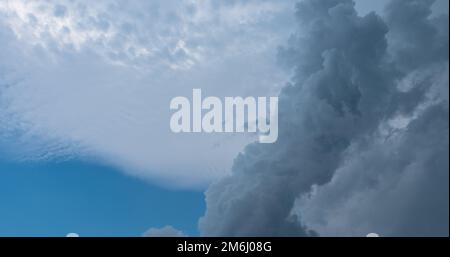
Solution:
(54, 199)
(85, 144)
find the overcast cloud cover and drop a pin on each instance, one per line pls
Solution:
(363, 134)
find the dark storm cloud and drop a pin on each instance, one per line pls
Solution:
(365, 119)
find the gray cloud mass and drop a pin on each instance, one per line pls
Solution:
(363, 134)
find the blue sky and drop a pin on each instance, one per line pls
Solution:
(53, 199)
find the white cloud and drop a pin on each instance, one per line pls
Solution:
(94, 79)
(167, 231)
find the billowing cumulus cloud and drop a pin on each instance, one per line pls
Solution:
(396, 183)
(363, 134)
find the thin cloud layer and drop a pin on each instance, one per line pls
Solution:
(95, 79)
(363, 140)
